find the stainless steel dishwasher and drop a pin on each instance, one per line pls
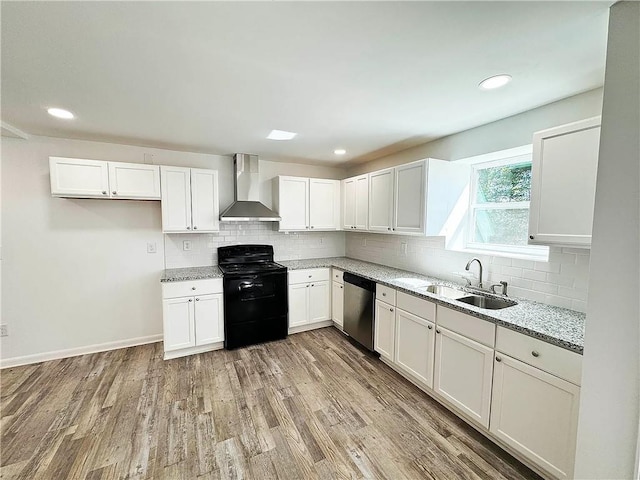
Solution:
(359, 305)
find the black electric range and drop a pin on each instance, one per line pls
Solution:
(256, 302)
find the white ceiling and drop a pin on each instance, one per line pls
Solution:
(372, 78)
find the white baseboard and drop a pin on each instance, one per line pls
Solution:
(183, 352)
(74, 352)
(310, 326)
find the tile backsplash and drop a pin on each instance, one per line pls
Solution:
(562, 281)
(291, 246)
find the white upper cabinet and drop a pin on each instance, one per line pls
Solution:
(204, 200)
(324, 204)
(189, 200)
(563, 183)
(81, 178)
(355, 205)
(134, 181)
(410, 196)
(307, 203)
(381, 198)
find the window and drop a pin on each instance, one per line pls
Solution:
(499, 207)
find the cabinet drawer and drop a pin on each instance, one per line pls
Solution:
(191, 288)
(471, 327)
(385, 294)
(550, 358)
(308, 275)
(336, 276)
(418, 306)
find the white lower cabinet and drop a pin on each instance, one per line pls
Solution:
(384, 338)
(414, 346)
(193, 317)
(463, 369)
(309, 297)
(337, 303)
(536, 414)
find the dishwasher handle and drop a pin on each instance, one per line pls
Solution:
(358, 281)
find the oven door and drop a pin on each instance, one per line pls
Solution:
(248, 298)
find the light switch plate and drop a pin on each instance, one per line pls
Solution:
(4, 330)
(152, 247)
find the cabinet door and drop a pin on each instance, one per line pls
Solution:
(349, 203)
(324, 204)
(176, 199)
(536, 414)
(134, 181)
(298, 304)
(293, 204)
(75, 177)
(384, 338)
(563, 183)
(178, 319)
(319, 302)
(362, 202)
(209, 319)
(415, 346)
(463, 371)
(410, 194)
(381, 200)
(337, 303)
(205, 211)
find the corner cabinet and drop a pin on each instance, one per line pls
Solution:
(193, 317)
(355, 203)
(189, 200)
(307, 203)
(82, 178)
(563, 184)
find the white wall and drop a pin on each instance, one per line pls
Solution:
(76, 272)
(610, 398)
(509, 132)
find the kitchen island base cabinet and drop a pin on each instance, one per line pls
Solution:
(414, 346)
(536, 414)
(463, 374)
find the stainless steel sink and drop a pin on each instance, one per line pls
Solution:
(489, 303)
(447, 292)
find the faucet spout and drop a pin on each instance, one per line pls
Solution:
(475, 259)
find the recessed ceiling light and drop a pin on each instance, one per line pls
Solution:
(281, 135)
(496, 81)
(60, 113)
(339, 151)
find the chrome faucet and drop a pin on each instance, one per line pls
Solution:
(475, 259)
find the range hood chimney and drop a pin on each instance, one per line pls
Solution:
(246, 188)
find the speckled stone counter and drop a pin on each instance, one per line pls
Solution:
(190, 273)
(555, 325)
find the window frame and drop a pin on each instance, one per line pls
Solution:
(498, 159)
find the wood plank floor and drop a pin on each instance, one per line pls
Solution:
(311, 406)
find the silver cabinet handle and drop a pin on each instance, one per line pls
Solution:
(340, 286)
(391, 309)
(429, 327)
(307, 285)
(384, 294)
(193, 288)
(312, 226)
(188, 228)
(197, 299)
(114, 192)
(437, 330)
(313, 284)
(498, 359)
(309, 276)
(195, 228)
(531, 237)
(191, 299)
(535, 354)
(388, 228)
(104, 192)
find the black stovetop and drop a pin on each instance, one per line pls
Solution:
(252, 259)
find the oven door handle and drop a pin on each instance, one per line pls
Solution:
(246, 285)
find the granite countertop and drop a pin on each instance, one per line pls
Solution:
(190, 273)
(558, 326)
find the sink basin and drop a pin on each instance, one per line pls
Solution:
(490, 303)
(445, 291)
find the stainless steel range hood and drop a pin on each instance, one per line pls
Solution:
(246, 187)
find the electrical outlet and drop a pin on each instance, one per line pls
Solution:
(186, 245)
(148, 158)
(364, 241)
(403, 248)
(151, 247)
(4, 330)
